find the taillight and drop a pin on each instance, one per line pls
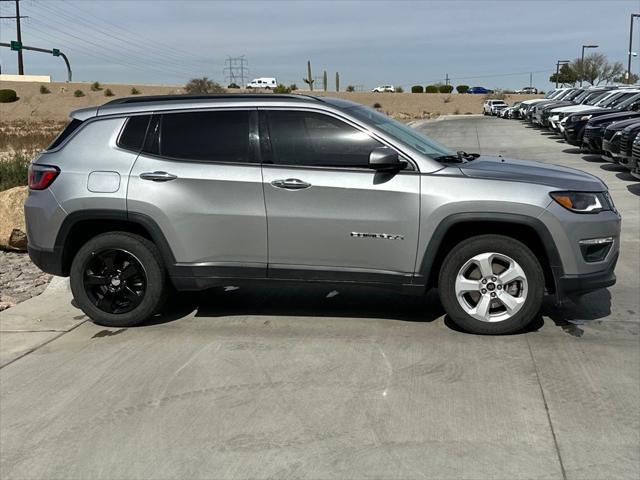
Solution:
(41, 176)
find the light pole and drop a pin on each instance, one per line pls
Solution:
(582, 62)
(633, 15)
(558, 63)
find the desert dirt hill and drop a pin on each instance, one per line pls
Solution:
(35, 106)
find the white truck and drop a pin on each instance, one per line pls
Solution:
(263, 82)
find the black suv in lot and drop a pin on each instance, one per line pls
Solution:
(577, 123)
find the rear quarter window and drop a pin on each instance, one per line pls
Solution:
(71, 127)
(134, 132)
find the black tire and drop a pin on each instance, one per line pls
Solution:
(510, 247)
(149, 258)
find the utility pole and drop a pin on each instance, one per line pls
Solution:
(530, 80)
(582, 61)
(19, 34)
(558, 63)
(633, 15)
(446, 79)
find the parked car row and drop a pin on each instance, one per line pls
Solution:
(599, 119)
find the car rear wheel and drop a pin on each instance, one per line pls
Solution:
(118, 279)
(491, 284)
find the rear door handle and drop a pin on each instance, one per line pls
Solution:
(158, 176)
(290, 184)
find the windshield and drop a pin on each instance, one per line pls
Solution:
(620, 99)
(607, 99)
(572, 95)
(629, 101)
(581, 97)
(401, 132)
(596, 97)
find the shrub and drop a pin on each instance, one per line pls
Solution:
(233, 85)
(377, 105)
(78, 93)
(456, 111)
(13, 172)
(431, 89)
(445, 88)
(108, 93)
(44, 90)
(95, 87)
(293, 87)
(203, 85)
(399, 90)
(351, 88)
(417, 89)
(281, 89)
(496, 96)
(462, 88)
(8, 96)
(135, 91)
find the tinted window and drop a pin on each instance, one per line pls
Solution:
(208, 136)
(307, 138)
(71, 127)
(134, 131)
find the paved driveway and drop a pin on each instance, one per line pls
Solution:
(314, 383)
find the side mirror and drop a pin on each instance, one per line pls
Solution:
(384, 158)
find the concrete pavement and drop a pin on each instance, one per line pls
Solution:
(303, 383)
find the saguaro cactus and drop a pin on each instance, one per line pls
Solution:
(337, 82)
(309, 80)
(324, 80)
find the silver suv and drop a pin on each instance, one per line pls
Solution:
(144, 194)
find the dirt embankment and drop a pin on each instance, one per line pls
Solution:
(35, 106)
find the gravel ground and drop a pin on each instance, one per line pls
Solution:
(20, 279)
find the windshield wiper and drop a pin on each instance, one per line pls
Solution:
(459, 157)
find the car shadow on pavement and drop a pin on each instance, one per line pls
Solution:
(613, 167)
(571, 314)
(635, 188)
(303, 301)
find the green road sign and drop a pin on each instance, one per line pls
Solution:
(17, 46)
(55, 52)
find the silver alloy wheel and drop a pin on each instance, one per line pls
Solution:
(491, 287)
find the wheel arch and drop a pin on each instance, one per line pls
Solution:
(458, 227)
(81, 226)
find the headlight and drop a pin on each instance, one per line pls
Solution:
(585, 117)
(619, 132)
(583, 202)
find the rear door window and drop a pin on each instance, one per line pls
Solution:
(213, 136)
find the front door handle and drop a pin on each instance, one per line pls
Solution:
(290, 184)
(158, 176)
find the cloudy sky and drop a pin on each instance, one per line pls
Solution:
(494, 43)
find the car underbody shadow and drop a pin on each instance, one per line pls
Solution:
(635, 188)
(312, 300)
(570, 315)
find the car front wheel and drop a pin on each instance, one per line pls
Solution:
(491, 284)
(118, 279)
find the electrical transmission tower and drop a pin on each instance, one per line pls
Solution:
(236, 70)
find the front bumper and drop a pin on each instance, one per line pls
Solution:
(575, 286)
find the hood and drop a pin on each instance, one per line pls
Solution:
(525, 171)
(575, 108)
(613, 117)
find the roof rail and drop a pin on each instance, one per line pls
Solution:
(213, 96)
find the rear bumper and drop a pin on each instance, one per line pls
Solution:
(49, 261)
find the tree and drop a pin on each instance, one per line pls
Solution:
(203, 85)
(633, 78)
(566, 76)
(596, 69)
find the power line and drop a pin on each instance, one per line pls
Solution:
(73, 19)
